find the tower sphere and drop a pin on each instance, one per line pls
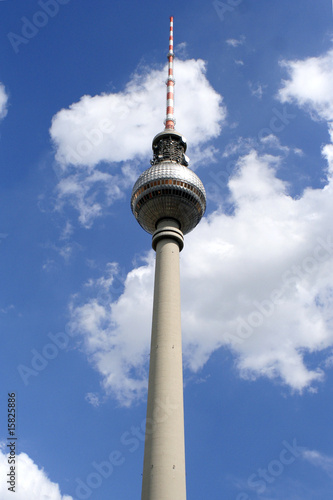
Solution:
(168, 189)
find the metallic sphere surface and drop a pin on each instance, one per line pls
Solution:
(168, 190)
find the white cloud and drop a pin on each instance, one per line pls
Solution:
(32, 482)
(273, 142)
(117, 128)
(234, 42)
(240, 146)
(93, 399)
(3, 101)
(319, 460)
(310, 86)
(181, 50)
(253, 254)
(122, 125)
(257, 281)
(257, 89)
(115, 339)
(6, 310)
(89, 191)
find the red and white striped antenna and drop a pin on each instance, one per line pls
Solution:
(170, 120)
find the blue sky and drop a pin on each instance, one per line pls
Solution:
(82, 95)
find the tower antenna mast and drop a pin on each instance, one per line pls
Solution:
(170, 120)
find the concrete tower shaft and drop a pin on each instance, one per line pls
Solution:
(168, 200)
(164, 457)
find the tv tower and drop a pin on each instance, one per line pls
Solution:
(168, 200)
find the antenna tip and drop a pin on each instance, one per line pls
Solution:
(171, 19)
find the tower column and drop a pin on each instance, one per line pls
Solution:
(164, 455)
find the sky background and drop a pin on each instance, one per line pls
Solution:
(82, 95)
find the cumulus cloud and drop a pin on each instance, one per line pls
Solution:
(116, 341)
(120, 127)
(3, 101)
(89, 191)
(101, 139)
(257, 281)
(32, 482)
(264, 272)
(310, 85)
